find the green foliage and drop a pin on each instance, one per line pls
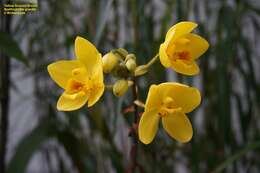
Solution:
(102, 19)
(237, 156)
(28, 146)
(11, 48)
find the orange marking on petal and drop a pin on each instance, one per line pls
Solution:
(76, 71)
(184, 55)
(74, 86)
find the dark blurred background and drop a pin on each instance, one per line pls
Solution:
(36, 138)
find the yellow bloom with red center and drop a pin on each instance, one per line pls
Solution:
(181, 48)
(169, 101)
(82, 79)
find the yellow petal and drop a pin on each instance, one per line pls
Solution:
(80, 74)
(97, 75)
(180, 29)
(163, 56)
(70, 102)
(188, 98)
(61, 71)
(153, 101)
(88, 55)
(181, 66)
(148, 126)
(197, 45)
(95, 95)
(178, 126)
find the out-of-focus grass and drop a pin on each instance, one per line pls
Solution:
(226, 122)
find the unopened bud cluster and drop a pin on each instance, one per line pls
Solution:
(121, 65)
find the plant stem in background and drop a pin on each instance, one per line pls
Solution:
(135, 23)
(4, 93)
(236, 156)
(134, 148)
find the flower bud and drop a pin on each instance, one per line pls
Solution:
(122, 51)
(109, 61)
(140, 70)
(130, 56)
(130, 64)
(120, 71)
(120, 87)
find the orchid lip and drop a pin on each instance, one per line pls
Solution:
(168, 107)
(169, 111)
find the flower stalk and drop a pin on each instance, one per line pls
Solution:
(142, 69)
(133, 132)
(153, 60)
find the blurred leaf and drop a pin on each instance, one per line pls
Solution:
(78, 150)
(105, 8)
(116, 158)
(11, 48)
(75, 148)
(237, 156)
(27, 146)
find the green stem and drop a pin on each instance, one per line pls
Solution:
(109, 87)
(142, 69)
(135, 23)
(153, 60)
(236, 156)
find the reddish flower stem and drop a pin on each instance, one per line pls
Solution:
(133, 132)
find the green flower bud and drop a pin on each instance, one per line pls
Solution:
(109, 61)
(130, 56)
(140, 70)
(130, 65)
(120, 87)
(122, 51)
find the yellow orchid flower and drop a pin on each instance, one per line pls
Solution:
(82, 79)
(169, 101)
(181, 48)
